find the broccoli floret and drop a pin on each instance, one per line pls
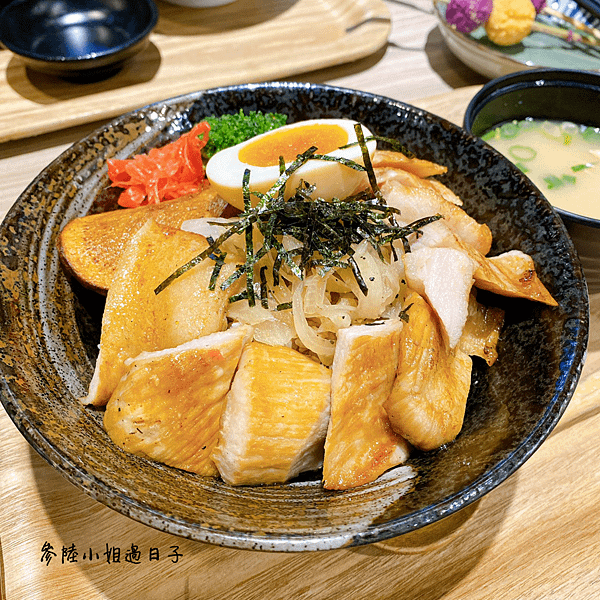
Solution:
(229, 130)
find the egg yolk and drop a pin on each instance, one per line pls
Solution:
(265, 152)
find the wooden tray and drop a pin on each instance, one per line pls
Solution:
(192, 49)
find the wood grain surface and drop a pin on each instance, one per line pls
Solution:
(242, 42)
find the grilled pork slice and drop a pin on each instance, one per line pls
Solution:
(418, 202)
(360, 443)
(90, 246)
(419, 167)
(435, 235)
(428, 399)
(511, 274)
(168, 405)
(445, 277)
(413, 172)
(275, 420)
(137, 320)
(482, 331)
(386, 174)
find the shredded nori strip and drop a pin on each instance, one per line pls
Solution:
(395, 144)
(326, 229)
(264, 302)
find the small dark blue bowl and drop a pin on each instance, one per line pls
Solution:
(77, 39)
(555, 94)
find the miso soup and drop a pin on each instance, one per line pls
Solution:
(561, 158)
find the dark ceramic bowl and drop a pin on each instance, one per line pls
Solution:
(557, 94)
(50, 326)
(77, 39)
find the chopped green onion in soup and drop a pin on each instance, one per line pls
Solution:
(561, 158)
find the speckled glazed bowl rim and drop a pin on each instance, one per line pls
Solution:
(21, 297)
(101, 56)
(536, 78)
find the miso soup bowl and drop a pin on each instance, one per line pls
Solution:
(556, 94)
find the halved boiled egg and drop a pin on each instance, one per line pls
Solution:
(260, 154)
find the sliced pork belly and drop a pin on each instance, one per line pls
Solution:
(360, 443)
(435, 235)
(397, 161)
(136, 319)
(509, 274)
(168, 405)
(418, 202)
(482, 331)
(512, 274)
(428, 399)
(445, 277)
(445, 192)
(275, 420)
(386, 174)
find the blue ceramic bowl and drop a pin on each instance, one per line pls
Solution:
(50, 326)
(556, 94)
(77, 39)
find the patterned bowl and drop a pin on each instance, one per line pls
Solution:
(50, 326)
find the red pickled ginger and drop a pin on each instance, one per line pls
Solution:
(164, 173)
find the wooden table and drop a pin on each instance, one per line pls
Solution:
(536, 536)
